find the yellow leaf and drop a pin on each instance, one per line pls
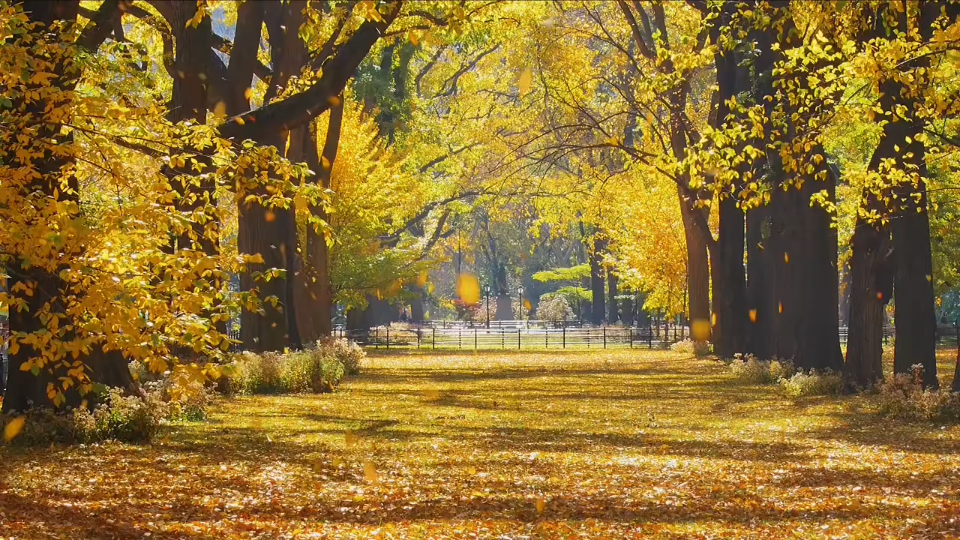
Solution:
(370, 473)
(13, 428)
(700, 330)
(525, 81)
(468, 289)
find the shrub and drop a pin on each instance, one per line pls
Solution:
(812, 384)
(314, 370)
(904, 397)
(256, 374)
(310, 371)
(117, 417)
(750, 370)
(554, 309)
(347, 352)
(688, 346)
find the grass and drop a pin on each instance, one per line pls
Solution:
(613, 444)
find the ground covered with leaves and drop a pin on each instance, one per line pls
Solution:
(578, 445)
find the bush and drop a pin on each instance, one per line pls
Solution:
(688, 346)
(256, 374)
(314, 370)
(750, 370)
(904, 397)
(310, 371)
(814, 383)
(554, 309)
(117, 417)
(347, 352)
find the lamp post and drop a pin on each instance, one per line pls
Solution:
(520, 293)
(486, 292)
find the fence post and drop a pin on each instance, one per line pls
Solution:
(388, 338)
(474, 339)
(630, 329)
(546, 337)
(434, 338)
(649, 337)
(519, 334)
(376, 338)
(459, 338)
(604, 337)
(564, 336)
(503, 337)
(418, 337)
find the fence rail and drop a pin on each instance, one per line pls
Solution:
(504, 337)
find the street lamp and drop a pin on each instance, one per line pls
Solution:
(520, 292)
(486, 292)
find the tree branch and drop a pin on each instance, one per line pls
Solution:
(301, 108)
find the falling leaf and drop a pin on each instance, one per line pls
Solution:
(541, 505)
(525, 81)
(270, 216)
(351, 439)
(468, 289)
(700, 329)
(370, 473)
(753, 315)
(13, 427)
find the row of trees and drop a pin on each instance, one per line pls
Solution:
(746, 108)
(724, 159)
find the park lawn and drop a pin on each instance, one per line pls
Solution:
(612, 444)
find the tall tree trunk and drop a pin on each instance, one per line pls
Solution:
(818, 339)
(26, 389)
(314, 293)
(698, 272)
(871, 284)
(761, 306)
(732, 312)
(612, 282)
(915, 316)
(596, 281)
(270, 231)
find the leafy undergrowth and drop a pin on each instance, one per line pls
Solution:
(579, 445)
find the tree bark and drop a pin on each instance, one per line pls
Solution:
(26, 389)
(915, 317)
(698, 270)
(596, 281)
(871, 282)
(314, 294)
(732, 312)
(612, 282)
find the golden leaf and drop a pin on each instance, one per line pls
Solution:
(13, 427)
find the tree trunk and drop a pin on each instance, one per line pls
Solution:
(915, 316)
(27, 389)
(314, 296)
(596, 281)
(871, 282)
(698, 272)
(729, 281)
(761, 305)
(612, 282)
(818, 339)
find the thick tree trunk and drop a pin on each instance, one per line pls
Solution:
(612, 282)
(698, 271)
(314, 298)
(871, 284)
(729, 281)
(818, 338)
(761, 305)
(28, 389)
(915, 316)
(596, 281)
